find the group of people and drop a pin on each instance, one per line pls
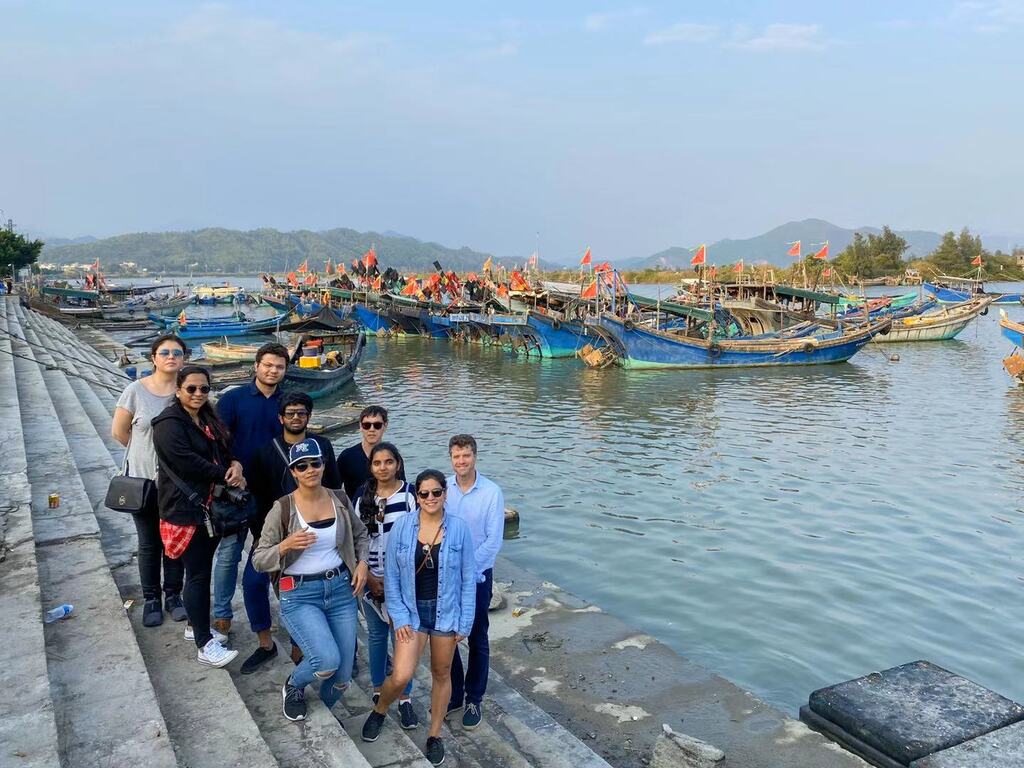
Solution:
(333, 537)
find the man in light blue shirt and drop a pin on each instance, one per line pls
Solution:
(480, 503)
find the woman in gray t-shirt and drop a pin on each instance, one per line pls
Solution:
(138, 404)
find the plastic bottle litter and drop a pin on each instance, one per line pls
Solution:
(58, 613)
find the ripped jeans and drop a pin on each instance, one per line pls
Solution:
(321, 618)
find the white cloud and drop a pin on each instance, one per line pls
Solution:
(780, 37)
(595, 22)
(684, 32)
(989, 15)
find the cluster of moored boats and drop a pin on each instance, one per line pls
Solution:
(703, 325)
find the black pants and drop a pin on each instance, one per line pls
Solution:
(198, 562)
(151, 554)
(471, 682)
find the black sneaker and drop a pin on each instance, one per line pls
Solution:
(294, 702)
(258, 658)
(376, 697)
(471, 717)
(152, 615)
(434, 750)
(371, 728)
(174, 606)
(408, 715)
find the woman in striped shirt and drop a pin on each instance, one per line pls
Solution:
(382, 500)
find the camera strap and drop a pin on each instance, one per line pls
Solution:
(193, 497)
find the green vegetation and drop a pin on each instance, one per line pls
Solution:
(16, 251)
(235, 252)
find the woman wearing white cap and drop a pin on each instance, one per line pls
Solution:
(315, 546)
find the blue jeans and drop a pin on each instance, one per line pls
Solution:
(321, 618)
(256, 592)
(377, 633)
(225, 573)
(472, 683)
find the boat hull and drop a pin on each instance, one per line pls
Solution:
(1012, 331)
(372, 320)
(559, 338)
(641, 348)
(317, 382)
(950, 296)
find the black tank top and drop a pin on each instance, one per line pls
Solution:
(426, 571)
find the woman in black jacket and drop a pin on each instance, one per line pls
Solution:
(192, 448)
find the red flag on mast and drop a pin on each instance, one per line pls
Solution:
(739, 266)
(303, 267)
(586, 257)
(823, 253)
(701, 256)
(794, 249)
(976, 261)
(370, 258)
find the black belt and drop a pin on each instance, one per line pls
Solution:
(326, 575)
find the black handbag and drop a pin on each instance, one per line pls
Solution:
(136, 495)
(229, 510)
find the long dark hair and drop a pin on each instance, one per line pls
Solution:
(207, 413)
(368, 502)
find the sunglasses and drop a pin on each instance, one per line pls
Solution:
(170, 353)
(437, 493)
(302, 466)
(191, 389)
(295, 414)
(428, 561)
(372, 425)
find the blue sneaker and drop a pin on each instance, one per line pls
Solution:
(471, 717)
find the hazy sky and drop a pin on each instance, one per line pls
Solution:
(626, 127)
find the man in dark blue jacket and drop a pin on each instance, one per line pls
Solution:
(250, 412)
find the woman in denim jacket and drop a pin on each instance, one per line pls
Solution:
(430, 588)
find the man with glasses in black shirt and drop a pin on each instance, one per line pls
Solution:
(354, 462)
(270, 481)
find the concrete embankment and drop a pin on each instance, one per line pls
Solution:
(572, 686)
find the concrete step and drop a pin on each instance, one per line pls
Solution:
(28, 730)
(255, 705)
(96, 672)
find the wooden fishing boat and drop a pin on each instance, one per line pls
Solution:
(639, 346)
(559, 337)
(895, 302)
(334, 373)
(221, 294)
(940, 325)
(1011, 329)
(956, 290)
(224, 352)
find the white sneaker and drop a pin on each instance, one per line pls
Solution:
(214, 654)
(220, 637)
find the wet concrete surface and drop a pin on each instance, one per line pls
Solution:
(614, 687)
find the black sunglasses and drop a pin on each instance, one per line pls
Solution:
(191, 389)
(302, 466)
(437, 493)
(372, 425)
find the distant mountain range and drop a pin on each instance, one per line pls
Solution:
(235, 251)
(771, 247)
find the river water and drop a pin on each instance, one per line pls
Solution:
(786, 528)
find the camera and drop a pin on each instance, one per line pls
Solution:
(227, 493)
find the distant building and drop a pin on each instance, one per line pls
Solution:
(1020, 258)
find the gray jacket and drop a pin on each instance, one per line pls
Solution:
(353, 541)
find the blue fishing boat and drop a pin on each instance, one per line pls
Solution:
(1011, 330)
(640, 346)
(557, 337)
(956, 290)
(371, 318)
(208, 329)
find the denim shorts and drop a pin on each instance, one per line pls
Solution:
(427, 610)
